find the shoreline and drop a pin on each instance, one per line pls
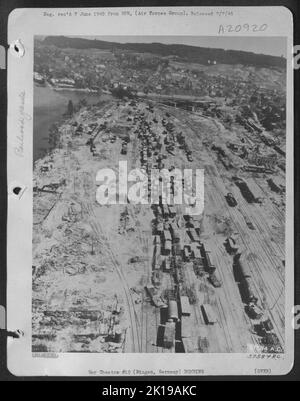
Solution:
(49, 105)
(84, 90)
(57, 88)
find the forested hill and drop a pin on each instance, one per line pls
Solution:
(184, 52)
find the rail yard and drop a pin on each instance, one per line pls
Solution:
(150, 277)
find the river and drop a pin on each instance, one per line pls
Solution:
(49, 107)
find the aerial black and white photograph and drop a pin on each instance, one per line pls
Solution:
(116, 269)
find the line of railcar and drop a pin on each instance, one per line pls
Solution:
(244, 277)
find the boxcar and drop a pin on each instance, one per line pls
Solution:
(172, 310)
(169, 335)
(185, 305)
(208, 314)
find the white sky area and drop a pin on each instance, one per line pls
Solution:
(275, 46)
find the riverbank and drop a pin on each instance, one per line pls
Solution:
(84, 90)
(49, 106)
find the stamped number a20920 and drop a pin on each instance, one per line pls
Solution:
(242, 28)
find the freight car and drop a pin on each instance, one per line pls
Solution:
(242, 267)
(199, 267)
(169, 335)
(209, 266)
(279, 150)
(159, 227)
(185, 327)
(193, 234)
(177, 248)
(185, 306)
(257, 169)
(196, 251)
(244, 277)
(172, 211)
(231, 200)
(167, 264)
(219, 149)
(157, 240)
(214, 281)
(175, 232)
(157, 261)
(168, 246)
(282, 166)
(255, 190)
(172, 311)
(208, 314)
(275, 186)
(231, 246)
(245, 190)
(167, 235)
(165, 210)
(186, 253)
(248, 291)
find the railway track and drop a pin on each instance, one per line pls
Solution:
(261, 282)
(262, 242)
(134, 327)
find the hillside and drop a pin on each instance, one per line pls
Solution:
(183, 52)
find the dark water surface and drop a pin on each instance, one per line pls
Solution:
(49, 107)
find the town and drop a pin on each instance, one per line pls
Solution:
(158, 277)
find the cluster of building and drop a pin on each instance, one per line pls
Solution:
(146, 133)
(148, 73)
(176, 237)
